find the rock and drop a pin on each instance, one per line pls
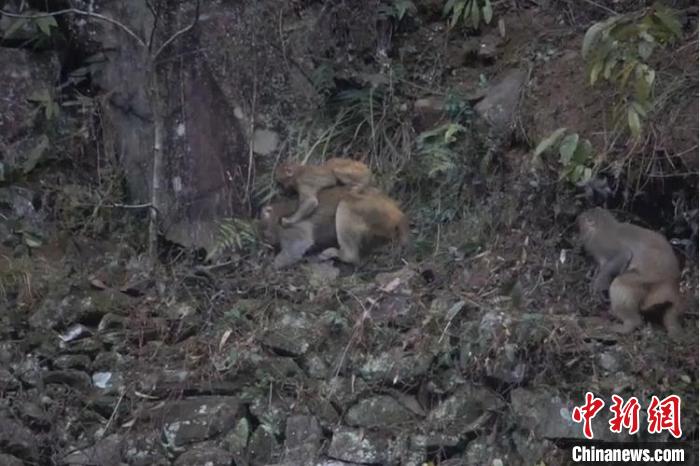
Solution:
(111, 322)
(7, 381)
(33, 414)
(467, 410)
(548, 416)
(198, 419)
(145, 449)
(279, 368)
(377, 411)
(360, 446)
(72, 361)
(265, 141)
(292, 332)
(204, 454)
(302, 439)
(17, 440)
(78, 380)
(236, 440)
(395, 366)
(501, 102)
(262, 446)
(106, 452)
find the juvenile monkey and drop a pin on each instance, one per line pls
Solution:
(356, 222)
(308, 180)
(637, 265)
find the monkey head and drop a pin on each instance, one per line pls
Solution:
(286, 174)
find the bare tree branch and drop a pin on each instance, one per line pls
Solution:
(179, 33)
(76, 11)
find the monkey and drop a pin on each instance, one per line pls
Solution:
(636, 265)
(354, 222)
(308, 180)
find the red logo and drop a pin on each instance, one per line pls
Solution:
(665, 415)
(587, 412)
(625, 415)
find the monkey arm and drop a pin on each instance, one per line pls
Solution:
(307, 204)
(610, 269)
(294, 243)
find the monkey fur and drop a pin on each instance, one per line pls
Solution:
(308, 180)
(347, 224)
(636, 265)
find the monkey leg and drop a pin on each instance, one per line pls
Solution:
(626, 295)
(666, 292)
(307, 204)
(350, 229)
(293, 247)
(611, 269)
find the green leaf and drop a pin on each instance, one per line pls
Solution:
(669, 19)
(453, 129)
(549, 141)
(583, 152)
(30, 239)
(595, 71)
(593, 34)
(609, 65)
(475, 14)
(567, 148)
(625, 73)
(457, 12)
(487, 10)
(45, 24)
(639, 108)
(645, 49)
(448, 7)
(36, 154)
(16, 25)
(633, 121)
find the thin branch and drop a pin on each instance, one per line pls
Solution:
(76, 11)
(179, 33)
(156, 16)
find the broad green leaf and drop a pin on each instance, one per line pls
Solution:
(595, 71)
(669, 19)
(16, 25)
(642, 90)
(633, 121)
(577, 173)
(549, 141)
(639, 108)
(583, 152)
(448, 7)
(646, 36)
(649, 75)
(587, 174)
(41, 95)
(30, 239)
(609, 65)
(645, 49)
(36, 154)
(567, 148)
(457, 13)
(452, 129)
(487, 11)
(45, 24)
(593, 33)
(624, 75)
(476, 14)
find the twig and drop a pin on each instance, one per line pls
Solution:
(78, 12)
(179, 33)
(602, 7)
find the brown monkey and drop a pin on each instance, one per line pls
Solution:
(308, 180)
(637, 266)
(356, 222)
